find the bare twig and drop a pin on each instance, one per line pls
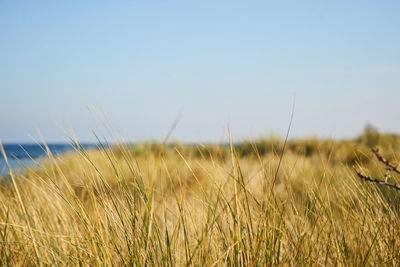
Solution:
(390, 166)
(377, 181)
(387, 175)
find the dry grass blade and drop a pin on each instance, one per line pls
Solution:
(160, 204)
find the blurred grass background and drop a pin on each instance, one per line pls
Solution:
(240, 204)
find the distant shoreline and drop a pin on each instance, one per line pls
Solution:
(20, 155)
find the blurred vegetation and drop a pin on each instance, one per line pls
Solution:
(345, 151)
(244, 204)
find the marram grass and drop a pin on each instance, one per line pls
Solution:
(213, 205)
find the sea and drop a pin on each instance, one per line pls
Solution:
(21, 156)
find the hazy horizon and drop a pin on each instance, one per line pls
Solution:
(214, 63)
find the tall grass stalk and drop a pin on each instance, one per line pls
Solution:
(171, 204)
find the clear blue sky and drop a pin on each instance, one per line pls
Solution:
(217, 62)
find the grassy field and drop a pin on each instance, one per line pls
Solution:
(257, 203)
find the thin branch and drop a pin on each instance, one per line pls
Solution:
(377, 181)
(392, 167)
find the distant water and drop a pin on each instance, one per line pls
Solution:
(19, 155)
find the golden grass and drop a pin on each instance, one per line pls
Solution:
(209, 205)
